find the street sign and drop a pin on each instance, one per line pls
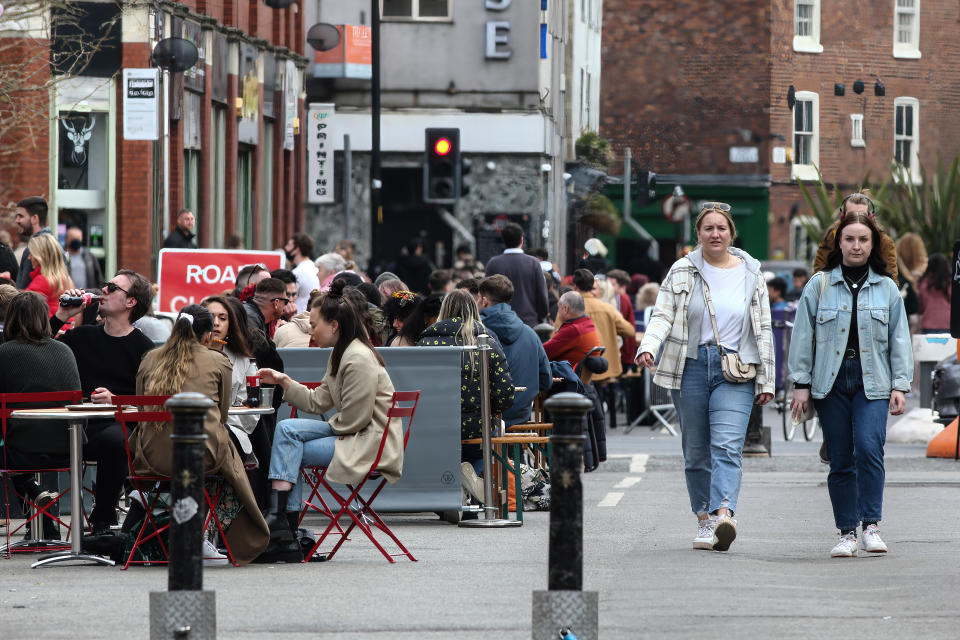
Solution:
(187, 276)
(675, 208)
(141, 104)
(320, 154)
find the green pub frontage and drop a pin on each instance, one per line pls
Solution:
(748, 197)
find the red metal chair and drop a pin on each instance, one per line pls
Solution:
(314, 485)
(30, 401)
(354, 505)
(135, 409)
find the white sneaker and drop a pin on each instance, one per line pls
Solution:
(212, 557)
(724, 533)
(872, 543)
(705, 537)
(847, 547)
(471, 481)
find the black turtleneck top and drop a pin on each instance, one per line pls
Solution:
(854, 276)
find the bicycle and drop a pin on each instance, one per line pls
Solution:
(784, 397)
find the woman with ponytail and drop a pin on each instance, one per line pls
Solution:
(357, 386)
(186, 363)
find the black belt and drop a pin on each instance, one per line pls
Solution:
(850, 354)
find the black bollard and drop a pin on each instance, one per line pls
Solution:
(565, 572)
(186, 522)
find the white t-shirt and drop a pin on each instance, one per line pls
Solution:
(307, 281)
(729, 302)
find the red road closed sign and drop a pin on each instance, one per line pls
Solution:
(187, 276)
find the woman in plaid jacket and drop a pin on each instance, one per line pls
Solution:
(714, 412)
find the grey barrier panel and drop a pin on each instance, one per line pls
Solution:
(431, 466)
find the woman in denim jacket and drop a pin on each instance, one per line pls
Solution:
(857, 366)
(714, 412)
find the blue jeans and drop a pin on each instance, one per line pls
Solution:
(854, 430)
(299, 442)
(713, 420)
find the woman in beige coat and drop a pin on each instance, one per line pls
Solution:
(186, 363)
(356, 384)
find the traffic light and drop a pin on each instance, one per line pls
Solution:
(646, 187)
(441, 166)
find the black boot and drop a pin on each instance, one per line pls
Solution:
(283, 546)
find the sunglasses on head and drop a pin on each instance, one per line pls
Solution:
(112, 287)
(871, 207)
(714, 206)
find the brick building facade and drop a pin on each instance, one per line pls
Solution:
(236, 157)
(693, 86)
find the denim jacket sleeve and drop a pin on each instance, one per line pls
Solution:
(800, 359)
(901, 348)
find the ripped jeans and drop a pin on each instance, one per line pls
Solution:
(713, 420)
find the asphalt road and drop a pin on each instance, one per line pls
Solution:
(776, 581)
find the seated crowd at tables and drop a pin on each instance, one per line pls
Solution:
(50, 347)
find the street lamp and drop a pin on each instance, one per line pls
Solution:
(172, 55)
(278, 4)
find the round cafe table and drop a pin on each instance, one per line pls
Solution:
(76, 422)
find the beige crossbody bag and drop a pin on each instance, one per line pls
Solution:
(734, 369)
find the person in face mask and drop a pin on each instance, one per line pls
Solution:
(84, 266)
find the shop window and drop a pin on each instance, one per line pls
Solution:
(806, 26)
(415, 9)
(906, 134)
(806, 135)
(906, 29)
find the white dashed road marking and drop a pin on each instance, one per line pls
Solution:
(626, 483)
(611, 499)
(638, 463)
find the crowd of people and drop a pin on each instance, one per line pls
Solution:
(705, 329)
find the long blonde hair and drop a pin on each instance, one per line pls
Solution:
(45, 248)
(461, 305)
(175, 357)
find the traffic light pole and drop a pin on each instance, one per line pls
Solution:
(375, 174)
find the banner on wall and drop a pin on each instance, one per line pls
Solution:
(187, 276)
(141, 104)
(320, 154)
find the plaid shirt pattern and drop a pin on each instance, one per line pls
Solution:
(668, 328)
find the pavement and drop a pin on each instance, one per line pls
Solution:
(777, 580)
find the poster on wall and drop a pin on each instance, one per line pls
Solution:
(248, 129)
(193, 78)
(291, 88)
(141, 102)
(320, 154)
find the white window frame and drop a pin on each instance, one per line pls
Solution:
(914, 160)
(856, 130)
(806, 171)
(808, 43)
(415, 14)
(911, 49)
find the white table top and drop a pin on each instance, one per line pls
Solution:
(108, 410)
(61, 414)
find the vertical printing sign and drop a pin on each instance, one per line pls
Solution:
(141, 102)
(320, 154)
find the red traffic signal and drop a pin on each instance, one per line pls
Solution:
(442, 147)
(441, 165)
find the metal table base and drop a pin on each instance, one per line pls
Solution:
(76, 421)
